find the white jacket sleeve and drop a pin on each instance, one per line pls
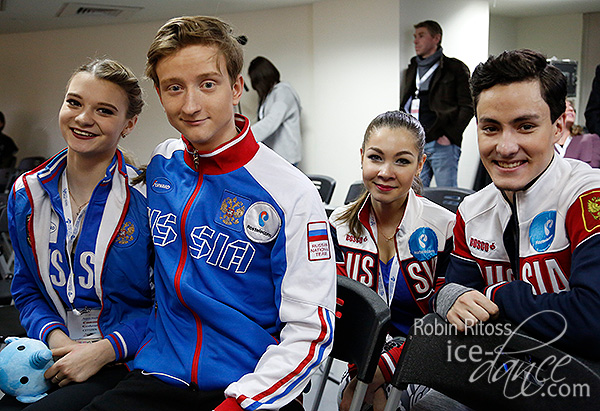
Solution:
(307, 308)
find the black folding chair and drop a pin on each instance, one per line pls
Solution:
(354, 191)
(7, 255)
(325, 185)
(10, 324)
(447, 197)
(360, 330)
(493, 370)
(6, 175)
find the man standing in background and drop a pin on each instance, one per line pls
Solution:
(435, 89)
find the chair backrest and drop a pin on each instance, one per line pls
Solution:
(361, 326)
(354, 191)
(29, 163)
(7, 257)
(493, 368)
(325, 186)
(10, 325)
(447, 197)
(5, 177)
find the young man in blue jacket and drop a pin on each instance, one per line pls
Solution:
(245, 279)
(526, 246)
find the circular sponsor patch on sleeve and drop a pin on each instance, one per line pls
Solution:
(423, 244)
(261, 222)
(541, 230)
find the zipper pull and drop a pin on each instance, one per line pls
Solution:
(196, 160)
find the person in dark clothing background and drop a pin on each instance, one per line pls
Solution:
(8, 148)
(592, 110)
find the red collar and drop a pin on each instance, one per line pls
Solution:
(229, 156)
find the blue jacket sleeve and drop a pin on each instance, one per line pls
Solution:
(38, 316)
(127, 338)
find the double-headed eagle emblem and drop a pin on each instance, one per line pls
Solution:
(125, 233)
(593, 207)
(232, 210)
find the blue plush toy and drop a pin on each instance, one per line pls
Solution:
(22, 365)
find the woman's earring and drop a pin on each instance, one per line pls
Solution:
(123, 135)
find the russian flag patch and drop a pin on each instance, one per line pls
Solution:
(318, 241)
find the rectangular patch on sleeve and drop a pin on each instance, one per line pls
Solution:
(318, 241)
(590, 210)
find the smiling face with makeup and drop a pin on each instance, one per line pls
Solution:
(93, 116)
(390, 161)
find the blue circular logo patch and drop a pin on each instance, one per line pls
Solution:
(541, 230)
(423, 244)
(161, 185)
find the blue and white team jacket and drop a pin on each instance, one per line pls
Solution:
(245, 279)
(558, 220)
(112, 259)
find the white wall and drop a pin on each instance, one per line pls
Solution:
(558, 36)
(590, 57)
(343, 56)
(35, 70)
(356, 67)
(503, 34)
(555, 36)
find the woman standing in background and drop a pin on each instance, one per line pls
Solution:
(278, 124)
(574, 144)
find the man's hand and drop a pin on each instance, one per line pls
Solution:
(374, 395)
(471, 308)
(78, 362)
(444, 141)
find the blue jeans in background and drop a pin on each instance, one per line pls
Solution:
(442, 161)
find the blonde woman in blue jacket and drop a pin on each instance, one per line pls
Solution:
(83, 253)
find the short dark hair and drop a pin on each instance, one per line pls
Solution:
(515, 66)
(2, 118)
(433, 27)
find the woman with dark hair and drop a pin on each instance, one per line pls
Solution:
(391, 239)
(575, 144)
(83, 251)
(278, 124)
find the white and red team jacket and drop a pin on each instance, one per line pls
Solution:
(423, 244)
(558, 220)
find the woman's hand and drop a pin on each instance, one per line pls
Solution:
(57, 338)
(78, 362)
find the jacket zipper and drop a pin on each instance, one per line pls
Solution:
(180, 269)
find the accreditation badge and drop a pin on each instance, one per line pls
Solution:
(414, 107)
(83, 324)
